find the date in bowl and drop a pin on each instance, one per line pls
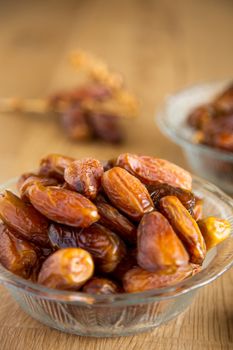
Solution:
(126, 313)
(216, 165)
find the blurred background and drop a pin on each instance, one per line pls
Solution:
(159, 46)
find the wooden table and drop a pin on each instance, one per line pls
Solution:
(160, 46)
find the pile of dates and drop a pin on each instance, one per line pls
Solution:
(126, 225)
(214, 121)
(82, 124)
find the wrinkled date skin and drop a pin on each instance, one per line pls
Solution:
(45, 181)
(27, 222)
(185, 227)
(152, 170)
(63, 206)
(16, 255)
(105, 246)
(161, 190)
(106, 127)
(54, 165)
(75, 124)
(111, 218)
(23, 178)
(84, 176)
(127, 193)
(66, 269)
(61, 236)
(159, 248)
(99, 285)
(139, 280)
(214, 230)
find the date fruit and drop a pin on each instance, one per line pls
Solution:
(99, 285)
(106, 127)
(75, 124)
(54, 165)
(159, 248)
(127, 263)
(16, 255)
(63, 206)
(139, 280)
(111, 218)
(105, 246)
(61, 236)
(201, 116)
(161, 190)
(27, 222)
(127, 193)
(152, 170)
(84, 176)
(66, 269)
(185, 227)
(214, 230)
(43, 180)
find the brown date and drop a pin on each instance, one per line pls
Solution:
(43, 180)
(161, 190)
(27, 222)
(201, 116)
(127, 263)
(63, 206)
(66, 269)
(84, 176)
(214, 230)
(152, 170)
(185, 227)
(139, 280)
(42, 255)
(108, 164)
(159, 248)
(127, 193)
(23, 178)
(106, 127)
(111, 218)
(54, 165)
(90, 91)
(75, 124)
(219, 133)
(104, 245)
(99, 285)
(61, 236)
(16, 255)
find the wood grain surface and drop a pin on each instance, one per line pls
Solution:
(160, 46)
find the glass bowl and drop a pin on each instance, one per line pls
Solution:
(213, 164)
(123, 314)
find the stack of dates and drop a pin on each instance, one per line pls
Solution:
(127, 225)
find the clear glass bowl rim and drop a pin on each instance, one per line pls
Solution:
(164, 125)
(185, 286)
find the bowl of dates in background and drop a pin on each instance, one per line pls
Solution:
(111, 248)
(200, 120)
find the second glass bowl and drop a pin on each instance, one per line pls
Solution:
(213, 164)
